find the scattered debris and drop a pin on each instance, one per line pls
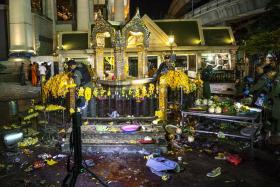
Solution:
(89, 163)
(220, 156)
(160, 165)
(28, 141)
(51, 162)
(44, 156)
(29, 168)
(215, 172)
(234, 159)
(38, 164)
(59, 156)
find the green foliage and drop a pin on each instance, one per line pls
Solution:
(263, 43)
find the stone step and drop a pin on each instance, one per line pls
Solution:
(118, 141)
(119, 148)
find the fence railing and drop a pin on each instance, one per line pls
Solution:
(220, 76)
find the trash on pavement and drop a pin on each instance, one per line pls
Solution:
(160, 165)
(220, 156)
(44, 156)
(215, 172)
(27, 151)
(27, 142)
(234, 159)
(29, 168)
(51, 162)
(59, 156)
(38, 164)
(89, 163)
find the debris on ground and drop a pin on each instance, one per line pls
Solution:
(160, 166)
(234, 159)
(89, 163)
(38, 164)
(51, 162)
(28, 141)
(215, 172)
(44, 156)
(220, 156)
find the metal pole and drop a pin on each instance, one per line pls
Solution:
(192, 9)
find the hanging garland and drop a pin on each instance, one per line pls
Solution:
(58, 85)
(176, 79)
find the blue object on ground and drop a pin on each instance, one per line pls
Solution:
(161, 164)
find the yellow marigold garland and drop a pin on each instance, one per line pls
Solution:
(176, 79)
(58, 85)
(87, 93)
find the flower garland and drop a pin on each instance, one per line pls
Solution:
(58, 85)
(176, 79)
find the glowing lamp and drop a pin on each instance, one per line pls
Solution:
(171, 39)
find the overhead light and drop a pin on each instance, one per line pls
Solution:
(171, 39)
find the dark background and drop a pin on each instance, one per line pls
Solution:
(155, 9)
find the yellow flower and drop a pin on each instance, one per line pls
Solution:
(95, 92)
(130, 92)
(87, 93)
(72, 111)
(151, 89)
(143, 92)
(109, 92)
(81, 92)
(102, 92)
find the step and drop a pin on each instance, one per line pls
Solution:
(119, 148)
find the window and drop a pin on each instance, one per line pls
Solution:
(133, 66)
(192, 63)
(36, 6)
(152, 65)
(181, 61)
(64, 10)
(219, 61)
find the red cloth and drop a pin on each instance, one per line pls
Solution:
(34, 78)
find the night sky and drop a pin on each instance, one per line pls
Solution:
(155, 9)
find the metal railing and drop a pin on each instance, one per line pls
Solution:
(220, 76)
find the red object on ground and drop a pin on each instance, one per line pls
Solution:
(142, 141)
(38, 164)
(234, 159)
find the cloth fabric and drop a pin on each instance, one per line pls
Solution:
(42, 70)
(34, 78)
(161, 164)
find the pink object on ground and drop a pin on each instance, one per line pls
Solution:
(130, 128)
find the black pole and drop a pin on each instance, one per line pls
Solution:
(70, 179)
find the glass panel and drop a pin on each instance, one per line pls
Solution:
(64, 10)
(192, 62)
(152, 65)
(133, 66)
(219, 61)
(181, 61)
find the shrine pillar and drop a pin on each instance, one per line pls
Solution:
(142, 59)
(99, 62)
(121, 65)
